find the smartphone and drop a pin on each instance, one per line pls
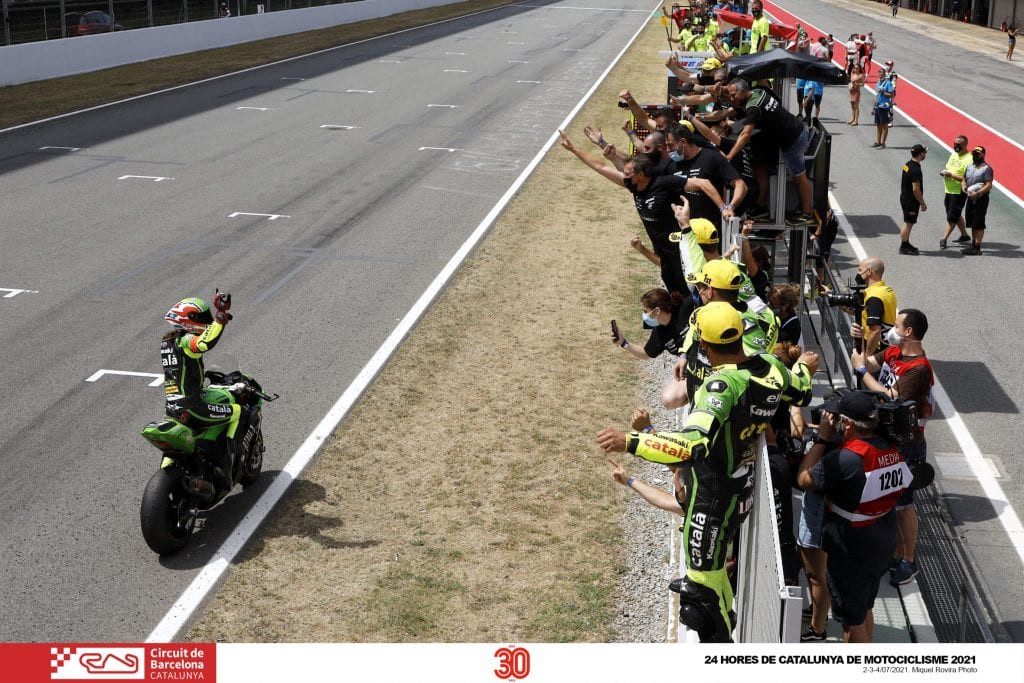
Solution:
(615, 330)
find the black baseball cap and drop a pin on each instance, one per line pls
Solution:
(855, 405)
(917, 149)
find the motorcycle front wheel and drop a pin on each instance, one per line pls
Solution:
(168, 513)
(252, 463)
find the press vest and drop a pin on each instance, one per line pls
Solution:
(886, 475)
(895, 366)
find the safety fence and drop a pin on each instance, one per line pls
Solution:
(55, 19)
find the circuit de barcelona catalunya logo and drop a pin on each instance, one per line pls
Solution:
(109, 663)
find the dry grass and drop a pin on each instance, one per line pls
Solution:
(465, 499)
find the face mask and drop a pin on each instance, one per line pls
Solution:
(649, 320)
(756, 12)
(860, 279)
(695, 295)
(977, 158)
(675, 156)
(629, 184)
(893, 337)
(654, 156)
(958, 148)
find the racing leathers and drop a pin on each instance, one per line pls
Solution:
(185, 397)
(729, 412)
(760, 332)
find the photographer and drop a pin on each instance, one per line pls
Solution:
(905, 373)
(873, 302)
(862, 477)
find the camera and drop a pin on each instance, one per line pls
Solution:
(854, 298)
(897, 418)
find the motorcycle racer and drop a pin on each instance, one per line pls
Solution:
(181, 353)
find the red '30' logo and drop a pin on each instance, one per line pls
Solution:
(514, 662)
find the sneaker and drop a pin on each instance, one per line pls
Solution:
(942, 244)
(971, 251)
(963, 239)
(876, 144)
(909, 249)
(759, 212)
(904, 573)
(800, 218)
(811, 636)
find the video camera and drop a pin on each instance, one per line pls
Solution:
(854, 298)
(897, 418)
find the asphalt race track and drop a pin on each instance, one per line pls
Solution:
(972, 303)
(325, 193)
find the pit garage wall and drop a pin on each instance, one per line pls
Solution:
(52, 58)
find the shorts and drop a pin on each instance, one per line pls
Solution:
(853, 589)
(812, 517)
(912, 454)
(954, 204)
(883, 115)
(764, 151)
(911, 209)
(974, 213)
(794, 154)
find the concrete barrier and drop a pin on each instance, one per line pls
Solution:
(53, 58)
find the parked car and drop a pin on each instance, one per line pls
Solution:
(87, 23)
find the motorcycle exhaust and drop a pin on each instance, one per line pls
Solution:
(201, 488)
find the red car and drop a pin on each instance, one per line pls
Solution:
(87, 23)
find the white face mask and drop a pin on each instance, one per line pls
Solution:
(893, 337)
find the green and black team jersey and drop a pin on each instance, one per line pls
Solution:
(728, 414)
(760, 332)
(182, 358)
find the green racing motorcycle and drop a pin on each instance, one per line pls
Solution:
(184, 483)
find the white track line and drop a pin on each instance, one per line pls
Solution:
(972, 454)
(181, 612)
(999, 186)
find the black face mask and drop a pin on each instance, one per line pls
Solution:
(977, 158)
(655, 157)
(860, 279)
(756, 12)
(958, 148)
(705, 79)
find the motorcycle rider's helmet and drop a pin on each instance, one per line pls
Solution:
(191, 315)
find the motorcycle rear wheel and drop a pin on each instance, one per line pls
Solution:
(167, 513)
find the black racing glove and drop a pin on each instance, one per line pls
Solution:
(222, 301)
(222, 317)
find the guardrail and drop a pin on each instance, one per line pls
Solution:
(42, 59)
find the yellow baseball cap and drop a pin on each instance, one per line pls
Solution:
(711, 63)
(719, 323)
(719, 273)
(704, 230)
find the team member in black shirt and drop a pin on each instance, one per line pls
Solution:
(912, 196)
(653, 196)
(763, 110)
(691, 161)
(668, 316)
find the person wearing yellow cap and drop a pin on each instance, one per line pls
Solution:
(716, 448)
(700, 243)
(719, 280)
